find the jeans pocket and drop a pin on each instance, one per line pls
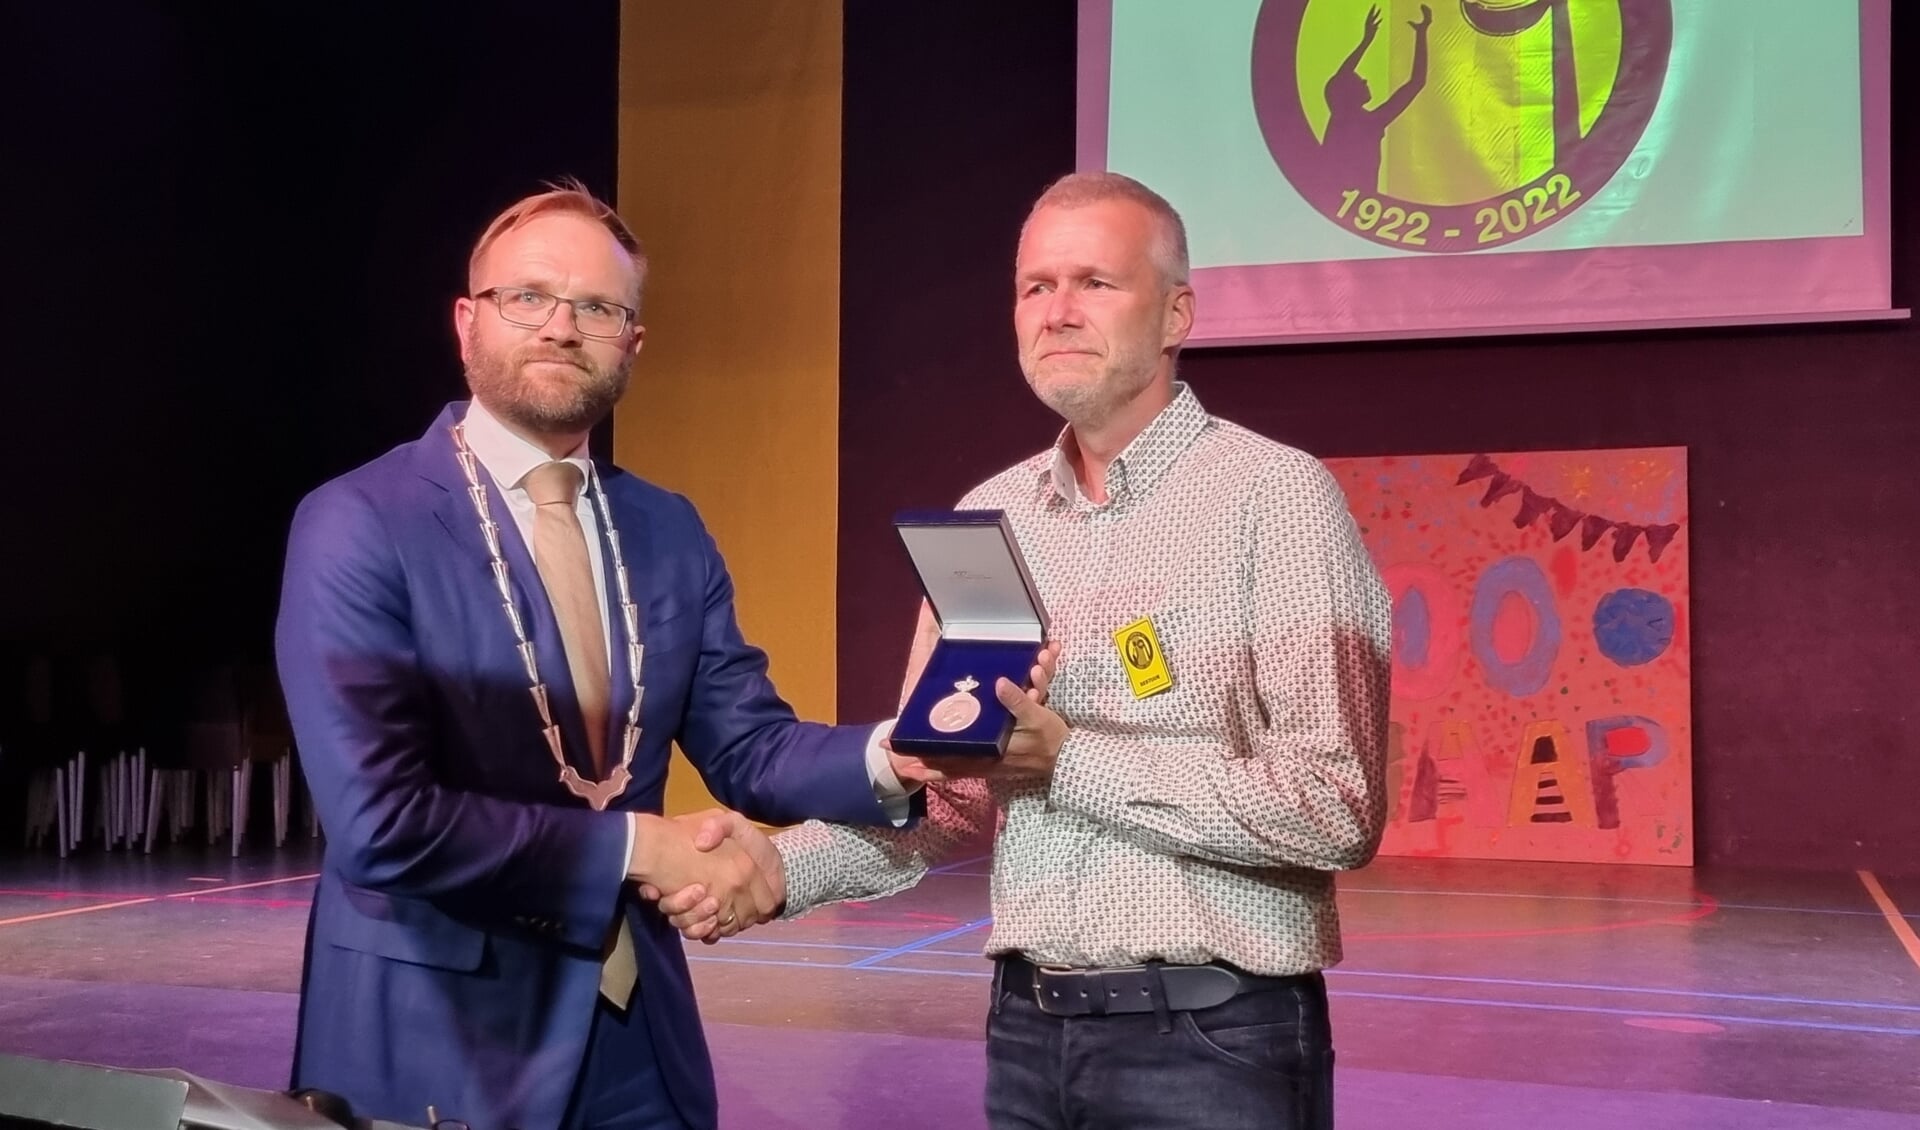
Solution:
(1276, 1048)
(1270, 1051)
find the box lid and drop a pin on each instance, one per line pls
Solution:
(973, 573)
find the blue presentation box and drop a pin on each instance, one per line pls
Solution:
(992, 624)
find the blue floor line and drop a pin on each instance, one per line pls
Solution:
(1817, 1025)
(738, 941)
(1513, 982)
(921, 944)
(1813, 1025)
(829, 966)
(954, 867)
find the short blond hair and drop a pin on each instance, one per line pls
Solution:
(566, 195)
(1077, 190)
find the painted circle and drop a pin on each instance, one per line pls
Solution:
(1426, 630)
(1520, 577)
(1633, 626)
(1297, 42)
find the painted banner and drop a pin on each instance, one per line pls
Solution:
(1541, 665)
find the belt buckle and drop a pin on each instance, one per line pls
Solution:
(1040, 974)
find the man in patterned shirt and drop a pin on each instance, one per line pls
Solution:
(1163, 875)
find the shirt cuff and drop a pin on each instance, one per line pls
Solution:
(633, 829)
(895, 799)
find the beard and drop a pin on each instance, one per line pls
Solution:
(546, 403)
(1086, 391)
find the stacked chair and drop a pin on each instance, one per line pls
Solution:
(99, 751)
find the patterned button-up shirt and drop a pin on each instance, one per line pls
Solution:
(1203, 822)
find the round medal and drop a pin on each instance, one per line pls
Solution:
(956, 711)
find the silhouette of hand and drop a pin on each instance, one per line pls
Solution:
(1373, 22)
(1424, 22)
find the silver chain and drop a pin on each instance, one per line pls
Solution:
(597, 793)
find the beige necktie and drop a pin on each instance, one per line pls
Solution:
(560, 553)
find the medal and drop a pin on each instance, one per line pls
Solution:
(956, 711)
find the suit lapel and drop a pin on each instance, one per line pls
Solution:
(488, 594)
(631, 526)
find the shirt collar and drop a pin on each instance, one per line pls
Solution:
(1146, 458)
(507, 456)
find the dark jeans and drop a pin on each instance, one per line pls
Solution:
(1261, 1060)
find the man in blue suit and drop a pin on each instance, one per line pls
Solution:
(487, 642)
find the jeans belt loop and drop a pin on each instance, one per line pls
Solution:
(1157, 989)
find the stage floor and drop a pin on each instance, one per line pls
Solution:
(1484, 996)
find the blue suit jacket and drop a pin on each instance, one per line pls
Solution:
(453, 950)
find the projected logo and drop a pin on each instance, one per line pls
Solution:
(1457, 125)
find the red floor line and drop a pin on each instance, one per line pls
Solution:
(24, 892)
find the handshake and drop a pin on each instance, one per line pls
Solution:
(713, 873)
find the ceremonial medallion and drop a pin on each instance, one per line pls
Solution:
(956, 711)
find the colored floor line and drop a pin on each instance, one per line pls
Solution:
(23, 919)
(1813, 1025)
(1607, 898)
(1601, 1010)
(1895, 919)
(954, 867)
(196, 892)
(1633, 990)
(951, 870)
(923, 943)
(1508, 982)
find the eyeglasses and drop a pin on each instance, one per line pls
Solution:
(593, 317)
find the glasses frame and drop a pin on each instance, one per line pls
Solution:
(626, 322)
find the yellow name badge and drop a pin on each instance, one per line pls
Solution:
(1140, 654)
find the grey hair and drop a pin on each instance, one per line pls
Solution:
(1077, 190)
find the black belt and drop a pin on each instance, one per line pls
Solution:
(1132, 988)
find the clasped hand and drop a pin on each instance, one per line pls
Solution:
(723, 874)
(706, 908)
